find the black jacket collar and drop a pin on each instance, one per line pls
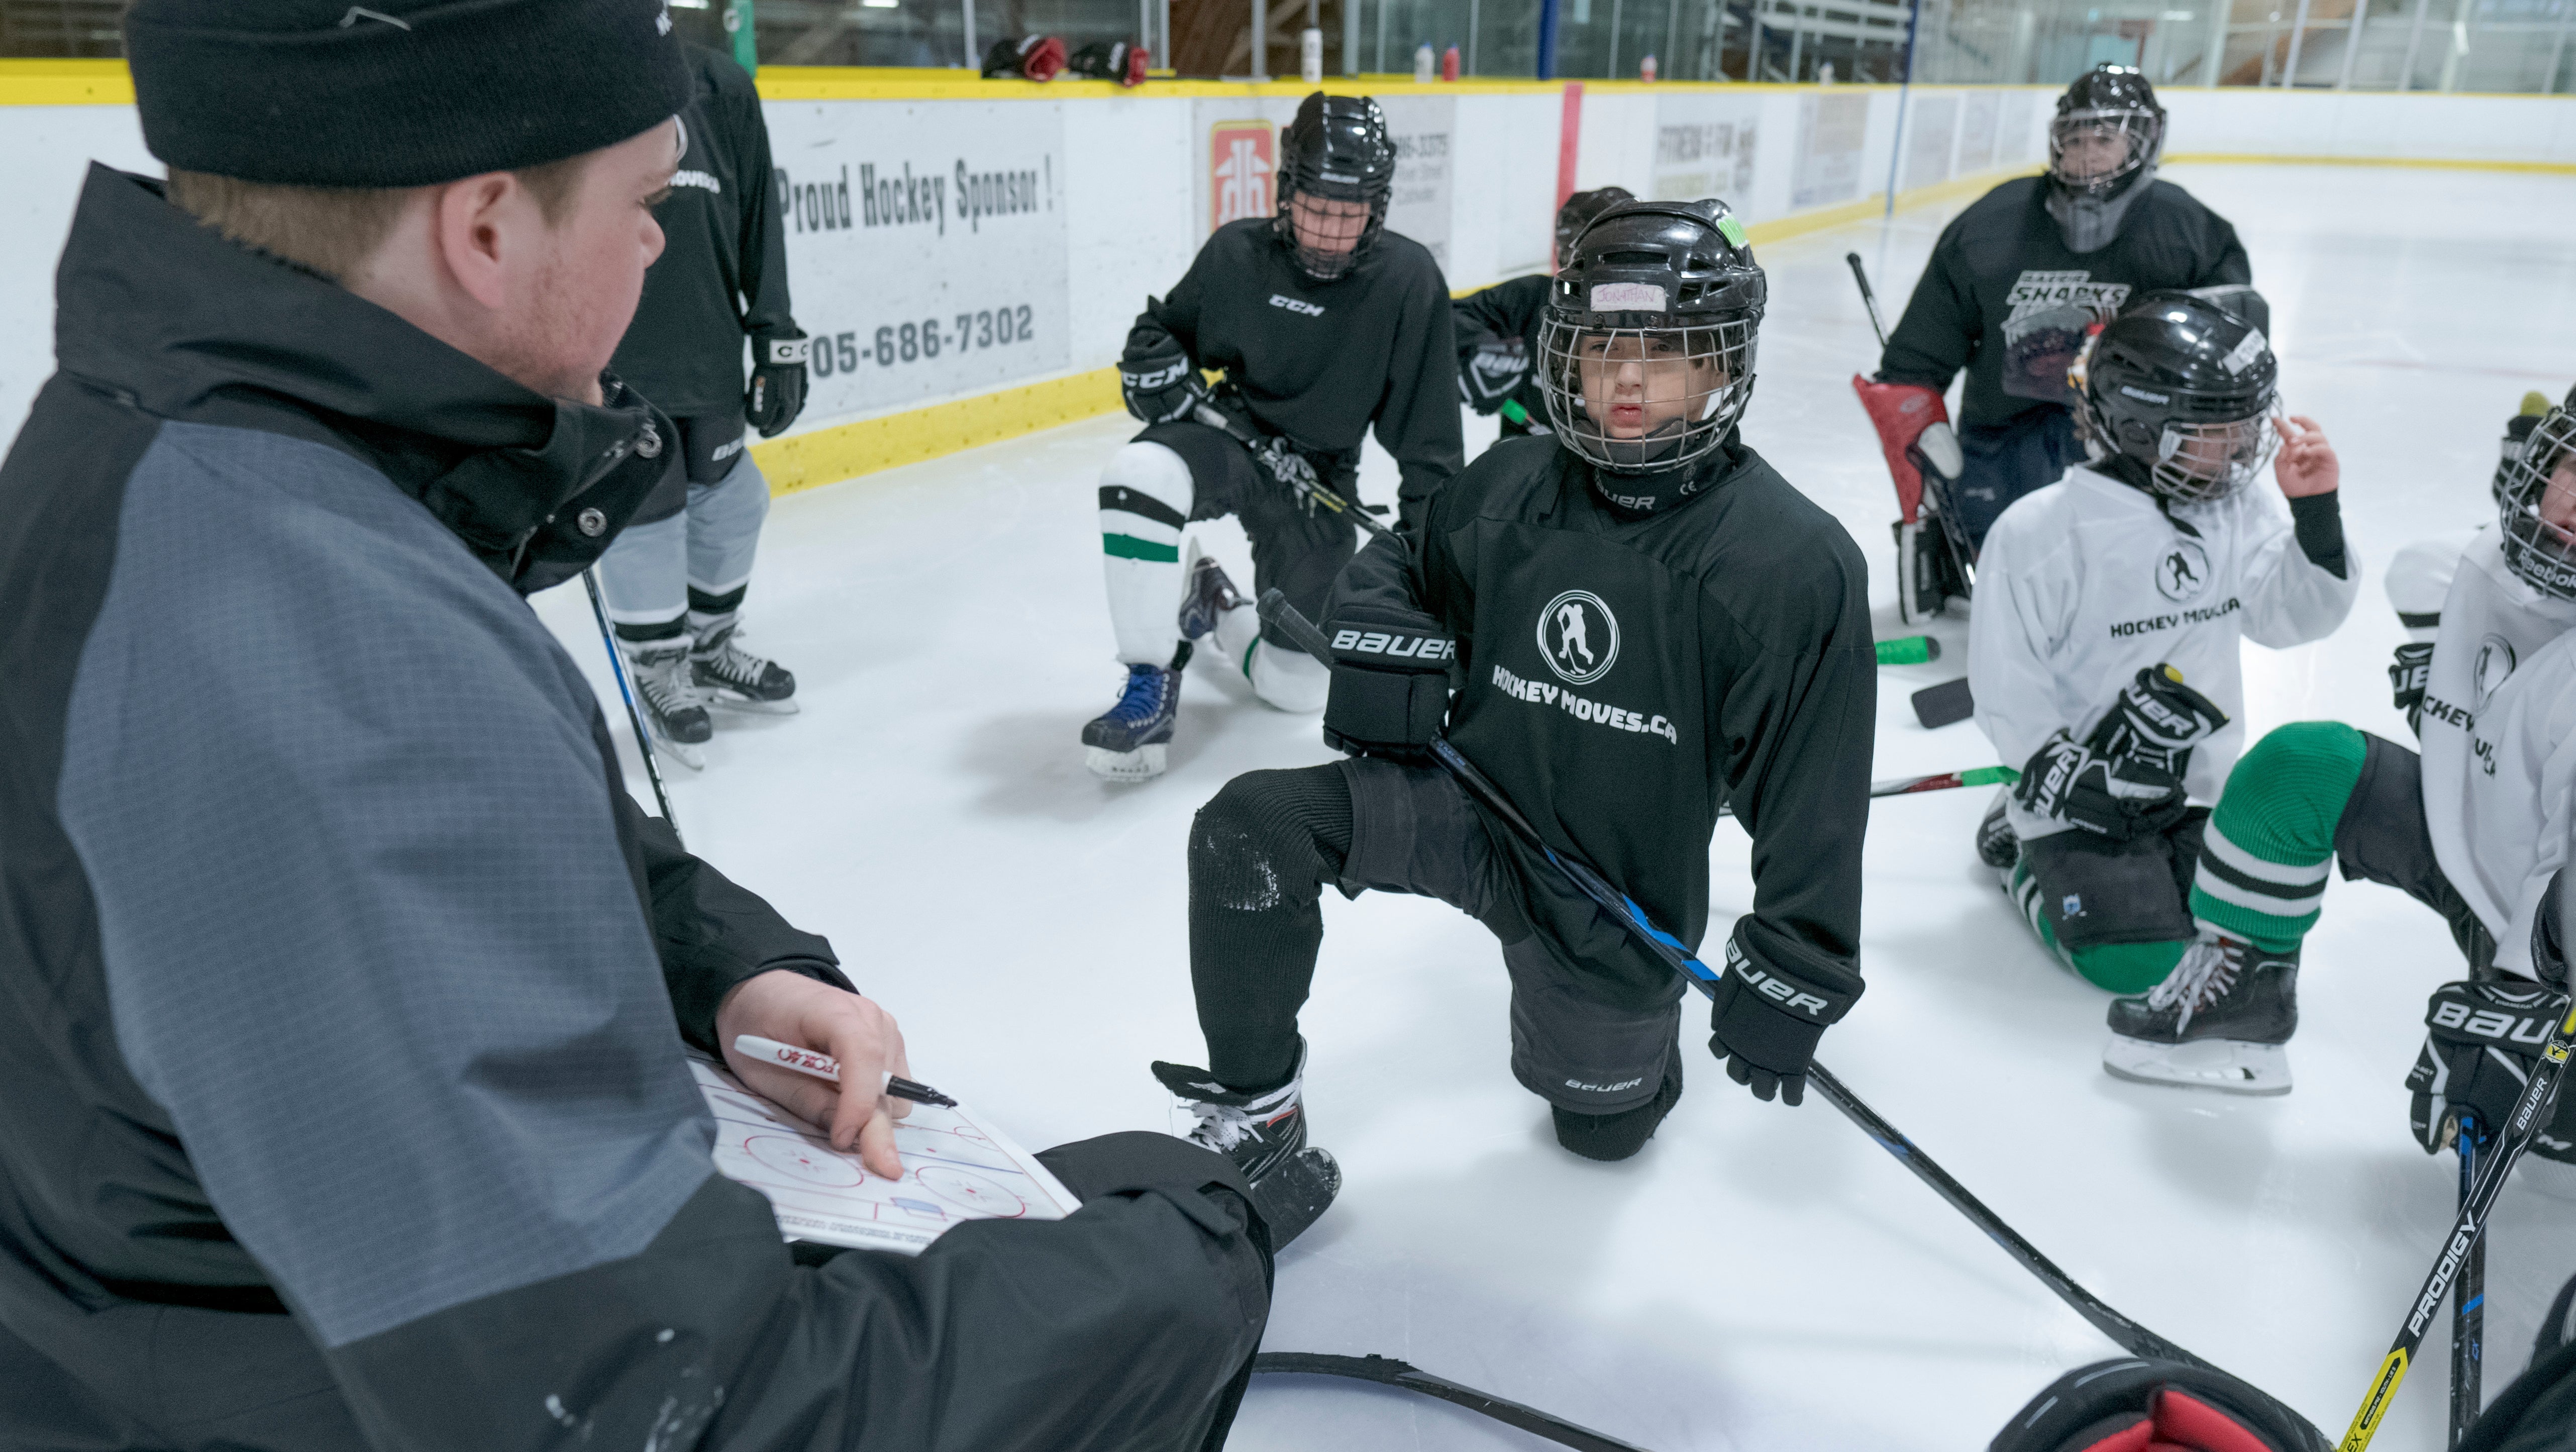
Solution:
(164, 313)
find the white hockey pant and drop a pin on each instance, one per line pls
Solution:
(707, 549)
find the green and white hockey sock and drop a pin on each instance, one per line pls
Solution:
(2269, 847)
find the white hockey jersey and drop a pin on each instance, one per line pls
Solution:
(2086, 582)
(2499, 735)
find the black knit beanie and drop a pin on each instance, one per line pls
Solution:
(396, 93)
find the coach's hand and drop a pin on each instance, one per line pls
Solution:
(795, 1009)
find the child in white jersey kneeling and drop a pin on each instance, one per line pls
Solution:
(2476, 827)
(2104, 647)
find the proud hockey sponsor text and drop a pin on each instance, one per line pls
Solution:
(914, 342)
(898, 196)
(1617, 717)
(2153, 623)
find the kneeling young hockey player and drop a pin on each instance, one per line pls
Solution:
(2013, 287)
(2475, 827)
(2104, 653)
(1497, 327)
(1645, 619)
(1325, 323)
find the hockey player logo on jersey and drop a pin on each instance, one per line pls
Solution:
(1566, 635)
(2494, 667)
(2184, 569)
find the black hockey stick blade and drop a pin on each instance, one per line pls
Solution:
(1386, 1371)
(1946, 704)
(2466, 1229)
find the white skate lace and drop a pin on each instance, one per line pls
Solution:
(665, 682)
(735, 665)
(2205, 974)
(1221, 1126)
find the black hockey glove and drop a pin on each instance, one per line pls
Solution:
(1159, 382)
(1024, 57)
(1490, 366)
(2481, 1042)
(1294, 473)
(2156, 721)
(2068, 781)
(1390, 687)
(1111, 60)
(777, 392)
(2406, 677)
(1765, 1026)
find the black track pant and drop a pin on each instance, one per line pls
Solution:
(1262, 852)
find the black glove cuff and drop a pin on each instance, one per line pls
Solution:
(1365, 710)
(793, 352)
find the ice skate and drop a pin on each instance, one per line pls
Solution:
(2218, 1021)
(1128, 741)
(1998, 846)
(736, 680)
(1265, 1135)
(674, 708)
(1206, 593)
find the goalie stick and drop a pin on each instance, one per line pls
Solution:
(2131, 1337)
(1387, 1371)
(2467, 1228)
(634, 716)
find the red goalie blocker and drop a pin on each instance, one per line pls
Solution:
(1901, 412)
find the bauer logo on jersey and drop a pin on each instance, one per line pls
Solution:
(2182, 571)
(1626, 297)
(1579, 636)
(2495, 667)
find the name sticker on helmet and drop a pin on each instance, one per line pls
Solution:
(1627, 297)
(2242, 356)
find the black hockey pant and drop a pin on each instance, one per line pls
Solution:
(1263, 850)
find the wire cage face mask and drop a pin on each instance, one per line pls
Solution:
(1362, 230)
(1666, 396)
(2141, 133)
(2536, 504)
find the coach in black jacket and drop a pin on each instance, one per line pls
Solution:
(343, 989)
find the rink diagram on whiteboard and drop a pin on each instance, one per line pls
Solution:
(955, 1169)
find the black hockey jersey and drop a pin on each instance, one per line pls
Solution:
(1320, 362)
(723, 269)
(2003, 298)
(1512, 309)
(1624, 676)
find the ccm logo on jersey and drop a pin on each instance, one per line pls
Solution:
(1294, 305)
(1394, 647)
(1778, 990)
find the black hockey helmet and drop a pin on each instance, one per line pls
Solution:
(2185, 389)
(2113, 101)
(1336, 150)
(1578, 212)
(1649, 283)
(2133, 1402)
(2536, 504)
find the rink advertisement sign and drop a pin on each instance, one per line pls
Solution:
(926, 248)
(1704, 147)
(1238, 162)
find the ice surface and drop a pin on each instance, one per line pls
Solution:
(1759, 1277)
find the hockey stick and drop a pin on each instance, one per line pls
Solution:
(1313, 491)
(1939, 781)
(1868, 299)
(2131, 1337)
(1386, 1371)
(2466, 1230)
(634, 716)
(1908, 650)
(2468, 1315)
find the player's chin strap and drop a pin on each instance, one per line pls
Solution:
(1386, 1371)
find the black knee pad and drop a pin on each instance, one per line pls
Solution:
(1617, 1136)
